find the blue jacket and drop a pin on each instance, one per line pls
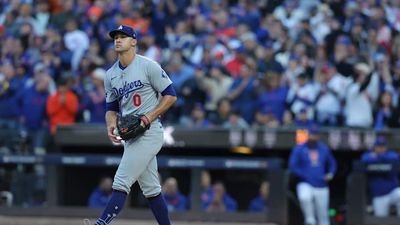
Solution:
(9, 108)
(311, 166)
(258, 204)
(98, 199)
(176, 202)
(33, 107)
(229, 202)
(381, 183)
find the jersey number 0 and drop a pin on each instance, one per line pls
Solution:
(137, 100)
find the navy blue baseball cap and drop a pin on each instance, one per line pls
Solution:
(127, 30)
(380, 141)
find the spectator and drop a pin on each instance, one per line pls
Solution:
(216, 85)
(235, 121)
(150, 48)
(42, 16)
(242, 93)
(76, 41)
(224, 26)
(9, 90)
(360, 97)
(206, 188)
(384, 187)
(221, 115)
(192, 93)
(62, 106)
(235, 64)
(175, 200)
(290, 15)
(266, 118)
(33, 101)
(197, 118)
(273, 97)
(94, 25)
(386, 115)
(313, 164)
(266, 59)
(179, 72)
(342, 55)
(220, 200)
(96, 97)
(330, 97)
(181, 39)
(62, 13)
(302, 120)
(302, 94)
(381, 63)
(293, 69)
(93, 55)
(100, 196)
(260, 203)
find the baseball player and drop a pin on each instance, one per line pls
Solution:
(136, 85)
(384, 187)
(314, 165)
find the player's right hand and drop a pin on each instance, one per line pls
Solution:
(113, 137)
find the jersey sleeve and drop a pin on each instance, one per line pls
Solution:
(158, 78)
(111, 96)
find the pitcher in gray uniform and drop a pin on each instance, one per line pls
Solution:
(136, 85)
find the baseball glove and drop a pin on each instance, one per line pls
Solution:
(129, 126)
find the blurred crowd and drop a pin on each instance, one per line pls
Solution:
(234, 64)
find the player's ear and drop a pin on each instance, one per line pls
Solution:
(133, 42)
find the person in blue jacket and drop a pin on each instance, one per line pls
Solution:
(175, 200)
(384, 187)
(220, 200)
(100, 196)
(313, 164)
(259, 203)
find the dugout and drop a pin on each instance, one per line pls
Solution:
(347, 145)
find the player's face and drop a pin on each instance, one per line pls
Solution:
(123, 43)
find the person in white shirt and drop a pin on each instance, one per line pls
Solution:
(290, 15)
(361, 96)
(216, 85)
(331, 94)
(76, 41)
(302, 94)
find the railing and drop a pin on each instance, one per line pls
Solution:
(282, 138)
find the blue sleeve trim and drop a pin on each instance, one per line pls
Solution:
(169, 91)
(112, 106)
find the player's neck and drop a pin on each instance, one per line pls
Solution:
(125, 58)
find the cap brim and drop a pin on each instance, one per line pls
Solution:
(115, 32)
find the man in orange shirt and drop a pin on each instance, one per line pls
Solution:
(62, 107)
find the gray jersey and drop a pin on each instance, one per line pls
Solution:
(136, 88)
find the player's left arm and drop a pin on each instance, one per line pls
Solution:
(166, 102)
(160, 81)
